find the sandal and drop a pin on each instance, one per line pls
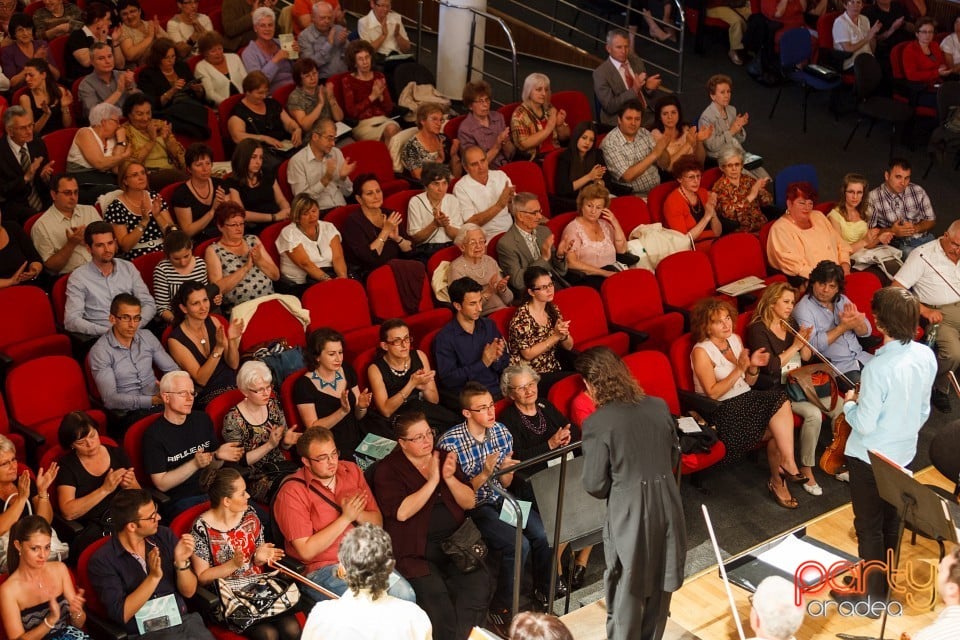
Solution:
(786, 504)
(798, 478)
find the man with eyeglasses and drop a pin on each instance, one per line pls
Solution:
(24, 169)
(384, 29)
(529, 243)
(58, 233)
(181, 443)
(484, 447)
(144, 562)
(105, 83)
(122, 362)
(317, 506)
(932, 272)
(320, 170)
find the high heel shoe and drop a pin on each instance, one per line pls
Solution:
(786, 504)
(578, 576)
(798, 478)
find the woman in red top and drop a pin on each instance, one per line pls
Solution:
(690, 208)
(924, 62)
(365, 95)
(789, 13)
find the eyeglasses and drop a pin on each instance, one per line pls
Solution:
(535, 212)
(266, 389)
(326, 136)
(128, 318)
(475, 243)
(422, 437)
(397, 342)
(732, 165)
(543, 287)
(926, 32)
(525, 387)
(482, 100)
(153, 516)
(182, 394)
(326, 457)
(7, 463)
(234, 225)
(485, 408)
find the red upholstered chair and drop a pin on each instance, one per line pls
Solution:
(448, 253)
(656, 197)
(201, 248)
(558, 223)
(680, 361)
(549, 170)
(685, 278)
(283, 181)
(19, 438)
(281, 94)
(32, 220)
(576, 104)
(58, 299)
(425, 344)
(563, 392)
(631, 212)
(372, 156)
(385, 302)
(28, 330)
(632, 299)
(901, 90)
(219, 406)
(507, 110)
(272, 321)
(502, 318)
(825, 207)
(133, 447)
(57, 48)
(286, 399)
(492, 245)
(338, 216)
(764, 236)
(193, 61)
(651, 370)
(527, 176)
(163, 9)
(588, 323)
(183, 522)
(43, 390)
(146, 264)
(268, 238)
(342, 304)
(215, 141)
(399, 201)
(58, 143)
(709, 177)
(361, 363)
(94, 606)
(54, 453)
(739, 255)
(860, 287)
(452, 127)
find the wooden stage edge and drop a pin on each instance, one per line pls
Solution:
(700, 610)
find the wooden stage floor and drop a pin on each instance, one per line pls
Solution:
(700, 610)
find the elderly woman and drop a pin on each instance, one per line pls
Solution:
(97, 151)
(90, 475)
(924, 64)
(740, 196)
(327, 396)
(264, 52)
(310, 249)
(366, 563)
(690, 208)
(372, 234)
(57, 18)
(850, 216)
(580, 164)
(199, 344)
(429, 145)
(366, 98)
(728, 127)
(152, 143)
(45, 99)
(768, 331)
(401, 380)
(423, 496)
(14, 56)
(538, 328)
(312, 101)
(188, 26)
(803, 237)
(433, 217)
(484, 127)
(724, 370)
(259, 192)
(478, 266)
(230, 543)
(684, 139)
(594, 237)
(136, 34)
(537, 127)
(537, 427)
(178, 267)
(260, 117)
(16, 490)
(139, 216)
(96, 28)
(38, 599)
(258, 424)
(238, 263)
(19, 260)
(195, 201)
(221, 74)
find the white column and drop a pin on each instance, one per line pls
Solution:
(454, 45)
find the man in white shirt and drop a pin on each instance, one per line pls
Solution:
(951, 47)
(320, 170)
(383, 29)
(774, 614)
(483, 194)
(58, 233)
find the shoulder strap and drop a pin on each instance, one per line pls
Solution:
(316, 491)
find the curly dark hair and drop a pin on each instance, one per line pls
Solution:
(355, 47)
(610, 378)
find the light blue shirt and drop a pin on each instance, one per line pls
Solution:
(894, 402)
(90, 293)
(125, 376)
(845, 352)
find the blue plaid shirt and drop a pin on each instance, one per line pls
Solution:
(887, 207)
(471, 453)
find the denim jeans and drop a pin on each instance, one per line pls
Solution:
(906, 245)
(327, 577)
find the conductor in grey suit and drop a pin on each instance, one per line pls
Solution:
(528, 243)
(621, 78)
(629, 449)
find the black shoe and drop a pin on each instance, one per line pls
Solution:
(499, 619)
(578, 576)
(542, 599)
(941, 401)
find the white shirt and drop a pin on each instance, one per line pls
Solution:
(845, 31)
(216, 86)
(358, 617)
(919, 276)
(49, 234)
(370, 29)
(420, 214)
(622, 68)
(475, 197)
(305, 175)
(180, 31)
(318, 251)
(722, 367)
(951, 46)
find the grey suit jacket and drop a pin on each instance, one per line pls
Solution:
(610, 89)
(514, 257)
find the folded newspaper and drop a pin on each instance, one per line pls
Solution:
(742, 286)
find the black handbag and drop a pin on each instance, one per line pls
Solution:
(248, 600)
(465, 547)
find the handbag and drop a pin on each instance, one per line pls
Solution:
(465, 547)
(812, 382)
(58, 550)
(888, 259)
(251, 599)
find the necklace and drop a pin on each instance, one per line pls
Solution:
(725, 349)
(324, 384)
(398, 372)
(196, 189)
(329, 485)
(201, 335)
(539, 427)
(476, 271)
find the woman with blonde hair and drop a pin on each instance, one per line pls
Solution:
(537, 127)
(596, 238)
(310, 249)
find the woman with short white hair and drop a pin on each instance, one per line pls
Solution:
(537, 127)
(97, 151)
(264, 52)
(477, 265)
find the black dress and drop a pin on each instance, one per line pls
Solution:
(531, 433)
(96, 521)
(347, 433)
(19, 249)
(439, 418)
(223, 377)
(54, 122)
(183, 197)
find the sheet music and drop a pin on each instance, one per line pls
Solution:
(792, 552)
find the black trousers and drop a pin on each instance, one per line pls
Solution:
(455, 602)
(876, 522)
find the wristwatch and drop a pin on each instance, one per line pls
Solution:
(185, 567)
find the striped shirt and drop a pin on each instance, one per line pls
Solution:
(946, 627)
(167, 281)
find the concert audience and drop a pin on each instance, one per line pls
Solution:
(106, 82)
(429, 144)
(152, 143)
(384, 29)
(24, 48)
(264, 53)
(320, 170)
(433, 217)
(310, 249)
(137, 35)
(96, 28)
(537, 127)
(25, 169)
(97, 151)
(902, 207)
(258, 191)
(483, 193)
(631, 152)
(622, 78)
(173, 90)
(49, 102)
(187, 27)
(322, 43)
(850, 216)
(221, 74)
(373, 235)
(178, 267)
(474, 263)
(578, 165)
(484, 126)
(195, 201)
(690, 208)
(237, 263)
(17, 489)
(262, 118)
(538, 328)
(528, 243)
(684, 139)
(365, 95)
(312, 101)
(139, 216)
(57, 18)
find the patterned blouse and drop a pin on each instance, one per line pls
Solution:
(526, 332)
(524, 123)
(595, 253)
(414, 155)
(733, 205)
(152, 238)
(217, 547)
(236, 428)
(306, 102)
(255, 284)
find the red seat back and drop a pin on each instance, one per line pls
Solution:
(859, 287)
(133, 447)
(656, 197)
(384, 297)
(576, 104)
(44, 389)
(219, 406)
(507, 110)
(146, 264)
(58, 144)
(452, 127)
(268, 238)
(588, 323)
(736, 256)
(563, 392)
(272, 321)
(448, 253)
(651, 370)
(549, 169)
(224, 110)
(340, 303)
(527, 176)
(93, 603)
(630, 297)
(371, 156)
(29, 315)
(362, 362)
(286, 398)
(685, 278)
(282, 93)
(631, 212)
(58, 298)
(558, 223)
(283, 181)
(680, 361)
(183, 522)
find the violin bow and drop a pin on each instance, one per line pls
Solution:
(942, 277)
(797, 335)
(723, 572)
(299, 578)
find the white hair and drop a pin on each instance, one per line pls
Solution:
(251, 373)
(776, 608)
(166, 382)
(464, 230)
(264, 12)
(103, 111)
(533, 81)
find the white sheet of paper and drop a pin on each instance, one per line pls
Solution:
(792, 552)
(688, 425)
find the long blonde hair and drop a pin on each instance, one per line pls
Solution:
(764, 312)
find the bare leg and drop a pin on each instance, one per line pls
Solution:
(654, 28)
(773, 460)
(781, 426)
